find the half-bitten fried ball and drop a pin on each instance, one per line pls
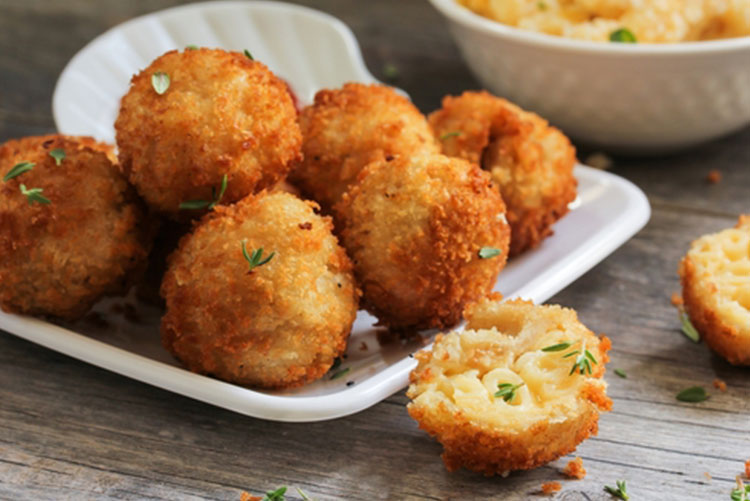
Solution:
(531, 161)
(276, 325)
(221, 114)
(71, 228)
(715, 277)
(503, 394)
(427, 235)
(347, 128)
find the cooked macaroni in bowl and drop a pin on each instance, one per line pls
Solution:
(646, 21)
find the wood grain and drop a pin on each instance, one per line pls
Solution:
(71, 431)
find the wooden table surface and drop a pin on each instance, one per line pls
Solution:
(69, 430)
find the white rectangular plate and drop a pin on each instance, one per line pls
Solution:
(300, 45)
(610, 210)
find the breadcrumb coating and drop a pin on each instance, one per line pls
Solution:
(454, 384)
(345, 129)
(414, 227)
(91, 240)
(222, 114)
(531, 161)
(715, 276)
(278, 325)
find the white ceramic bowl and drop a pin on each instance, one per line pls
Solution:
(635, 98)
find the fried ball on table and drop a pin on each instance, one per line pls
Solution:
(221, 114)
(531, 161)
(83, 235)
(347, 128)
(427, 236)
(277, 325)
(503, 395)
(715, 277)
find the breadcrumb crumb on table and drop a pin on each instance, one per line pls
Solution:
(747, 468)
(246, 496)
(720, 385)
(677, 299)
(575, 469)
(713, 177)
(551, 487)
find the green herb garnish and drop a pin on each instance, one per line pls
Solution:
(34, 195)
(248, 55)
(489, 252)
(742, 492)
(191, 47)
(17, 170)
(688, 328)
(390, 71)
(621, 373)
(541, 6)
(303, 495)
(340, 373)
(205, 204)
(583, 361)
(160, 82)
(623, 35)
(255, 259)
(58, 154)
(558, 347)
(450, 134)
(507, 391)
(277, 495)
(693, 394)
(336, 364)
(619, 492)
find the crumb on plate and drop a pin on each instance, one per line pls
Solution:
(720, 385)
(713, 177)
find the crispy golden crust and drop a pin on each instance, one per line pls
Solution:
(715, 276)
(91, 240)
(531, 161)
(281, 325)
(347, 128)
(414, 227)
(222, 114)
(452, 389)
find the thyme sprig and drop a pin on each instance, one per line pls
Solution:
(255, 258)
(619, 492)
(277, 495)
(17, 170)
(742, 492)
(507, 391)
(688, 328)
(693, 394)
(58, 154)
(489, 252)
(206, 204)
(34, 195)
(584, 358)
(160, 82)
(249, 55)
(450, 134)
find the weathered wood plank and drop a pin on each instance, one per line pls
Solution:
(69, 430)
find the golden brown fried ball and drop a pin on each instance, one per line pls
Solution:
(531, 161)
(497, 400)
(347, 128)
(715, 277)
(91, 239)
(279, 325)
(414, 227)
(222, 114)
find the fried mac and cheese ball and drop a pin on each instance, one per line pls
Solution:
(71, 228)
(347, 128)
(531, 161)
(415, 228)
(502, 395)
(221, 114)
(276, 325)
(715, 277)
